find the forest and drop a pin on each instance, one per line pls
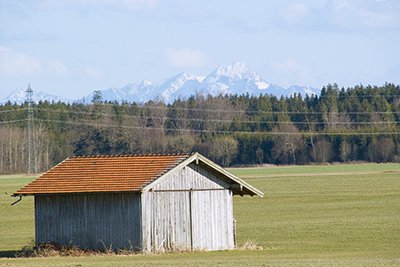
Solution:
(360, 123)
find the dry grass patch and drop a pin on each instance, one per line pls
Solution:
(250, 244)
(54, 250)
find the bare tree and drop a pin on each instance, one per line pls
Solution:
(322, 151)
(13, 147)
(42, 146)
(381, 150)
(224, 149)
(345, 150)
(287, 142)
(180, 143)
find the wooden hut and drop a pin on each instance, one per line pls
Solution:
(142, 202)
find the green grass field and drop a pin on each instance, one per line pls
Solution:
(331, 215)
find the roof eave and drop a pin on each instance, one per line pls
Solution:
(70, 193)
(21, 195)
(242, 184)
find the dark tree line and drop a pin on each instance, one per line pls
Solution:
(341, 125)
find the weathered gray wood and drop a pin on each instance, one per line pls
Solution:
(190, 208)
(191, 176)
(95, 221)
(165, 221)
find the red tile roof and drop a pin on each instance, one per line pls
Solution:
(102, 174)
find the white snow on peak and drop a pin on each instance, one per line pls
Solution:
(19, 96)
(234, 70)
(236, 78)
(262, 85)
(145, 83)
(180, 86)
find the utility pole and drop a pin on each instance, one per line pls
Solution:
(31, 139)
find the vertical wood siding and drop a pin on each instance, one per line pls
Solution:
(95, 221)
(181, 212)
(212, 217)
(166, 221)
(191, 176)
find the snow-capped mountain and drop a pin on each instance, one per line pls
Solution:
(19, 96)
(181, 86)
(235, 78)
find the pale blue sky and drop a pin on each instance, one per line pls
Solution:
(73, 47)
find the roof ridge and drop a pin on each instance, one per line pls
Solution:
(132, 155)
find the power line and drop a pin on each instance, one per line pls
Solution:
(236, 111)
(12, 110)
(274, 122)
(166, 118)
(262, 122)
(13, 121)
(346, 95)
(220, 131)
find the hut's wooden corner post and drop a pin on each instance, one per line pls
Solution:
(191, 218)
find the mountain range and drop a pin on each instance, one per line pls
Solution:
(235, 78)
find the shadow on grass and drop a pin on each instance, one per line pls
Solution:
(9, 253)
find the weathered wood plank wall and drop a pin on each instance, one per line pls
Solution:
(95, 221)
(188, 209)
(212, 220)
